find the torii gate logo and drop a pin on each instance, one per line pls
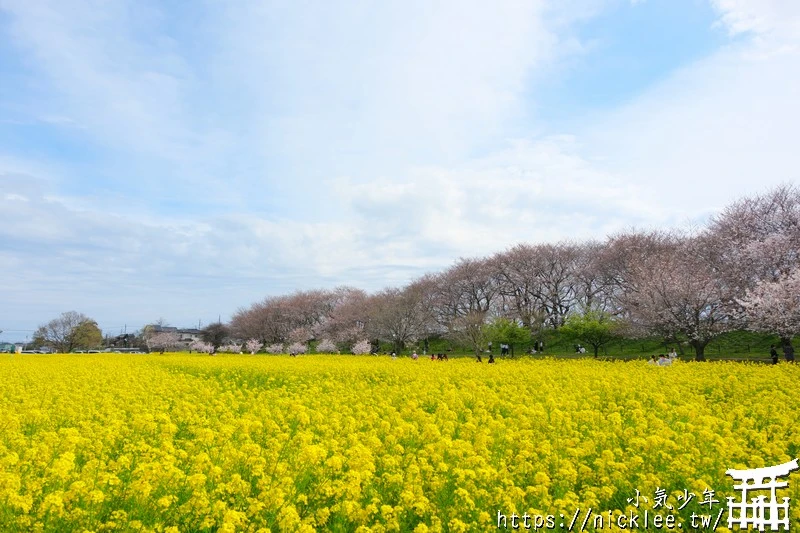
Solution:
(758, 511)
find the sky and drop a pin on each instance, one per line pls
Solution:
(182, 160)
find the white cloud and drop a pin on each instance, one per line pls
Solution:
(532, 191)
(716, 130)
(382, 233)
(760, 16)
(358, 88)
(282, 93)
(774, 25)
(110, 72)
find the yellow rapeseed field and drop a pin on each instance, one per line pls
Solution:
(175, 442)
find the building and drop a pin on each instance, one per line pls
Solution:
(186, 336)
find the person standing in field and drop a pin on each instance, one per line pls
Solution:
(773, 353)
(788, 352)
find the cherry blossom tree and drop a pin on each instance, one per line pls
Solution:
(756, 249)
(268, 320)
(594, 286)
(774, 307)
(312, 309)
(400, 316)
(757, 238)
(362, 347)
(675, 291)
(297, 348)
(470, 330)
(275, 347)
(326, 346)
(202, 347)
(297, 317)
(620, 259)
(300, 335)
(230, 348)
(253, 345)
(469, 286)
(349, 317)
(163, 341)
(540, 284)
(558, 271)
(519, 286)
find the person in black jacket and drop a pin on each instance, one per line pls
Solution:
(773, 353)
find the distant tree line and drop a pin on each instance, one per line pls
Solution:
(740, 271)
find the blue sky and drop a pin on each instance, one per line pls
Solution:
(183, 159)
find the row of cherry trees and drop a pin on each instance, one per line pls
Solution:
(740, 271)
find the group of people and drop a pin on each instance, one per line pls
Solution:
(415, 356)
(443, 357)
(538, 347)
(434, 356)
(664, 359)
(788, 353)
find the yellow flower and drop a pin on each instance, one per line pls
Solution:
(275, 443)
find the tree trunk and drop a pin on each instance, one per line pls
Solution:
(596, 348)
(788, 349)
(699, 350)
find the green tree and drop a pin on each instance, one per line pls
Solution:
(62, 333)
(592, 327)
(87, 336)
(505, 331)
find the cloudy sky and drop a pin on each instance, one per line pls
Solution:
(183, 159)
